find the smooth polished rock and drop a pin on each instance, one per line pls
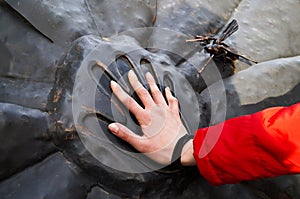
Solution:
(98, 192)
(268, 30)
(25, 92)
(278, 82)
(54, 177)
(65, 21)
(25, 138)
(26, 53)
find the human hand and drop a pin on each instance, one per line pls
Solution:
(160, 122)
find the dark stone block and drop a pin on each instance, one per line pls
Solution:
(27, 53)
(60, 21)
(112, 20)
(54, 177)
(97, 193)
(25, 138)
(68, 20)
(24, 92)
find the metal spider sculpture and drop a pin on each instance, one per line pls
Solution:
(216, 47)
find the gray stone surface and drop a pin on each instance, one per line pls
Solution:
(186, 19)
(268, 30)
(278, 82)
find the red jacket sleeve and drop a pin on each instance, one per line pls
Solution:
(264, 144)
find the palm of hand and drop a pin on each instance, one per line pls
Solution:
(160, 120)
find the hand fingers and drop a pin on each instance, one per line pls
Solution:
(172, 101)
(128, 101)
(156, 94)
(143, 94)
(127, 135)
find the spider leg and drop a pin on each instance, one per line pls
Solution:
(202, 39)
(248, 59)
(206, 64)
(205, 37)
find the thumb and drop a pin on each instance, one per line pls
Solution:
(126, 134)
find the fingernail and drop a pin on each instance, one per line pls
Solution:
(113, 83)
(167, 88)
(149, 76)
(113, 127)
(131, 73)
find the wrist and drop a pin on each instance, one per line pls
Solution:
(187, 157)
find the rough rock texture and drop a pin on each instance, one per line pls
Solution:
(42, 45)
